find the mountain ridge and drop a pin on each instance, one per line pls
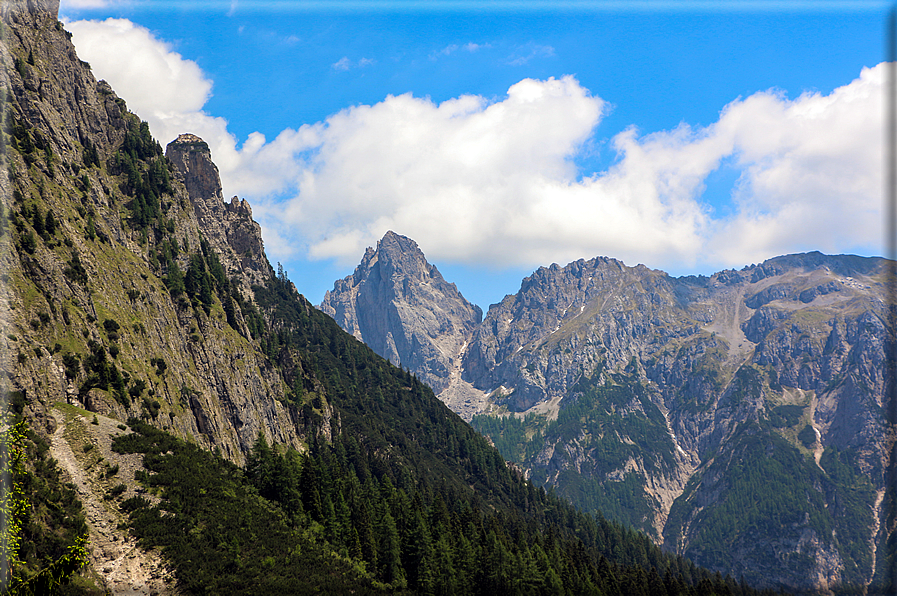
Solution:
(591, 358)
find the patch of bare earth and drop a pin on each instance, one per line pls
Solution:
(84, 453)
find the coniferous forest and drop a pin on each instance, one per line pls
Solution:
(340, 520)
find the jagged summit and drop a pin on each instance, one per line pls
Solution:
(400, 305)
(188, 138)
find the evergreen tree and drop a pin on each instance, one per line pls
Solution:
(50, 223)
(175, 280)
(37, 221)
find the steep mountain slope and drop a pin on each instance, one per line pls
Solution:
(644, 396)
(93, 319)
(133, 294)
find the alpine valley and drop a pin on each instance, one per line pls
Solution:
(178, 419)
(739, 419)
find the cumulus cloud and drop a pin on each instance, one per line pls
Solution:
(812, 170)
(481, 181)
(158, 83)
(477, 180)
(410, 164)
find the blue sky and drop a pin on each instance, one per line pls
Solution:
(502, 136)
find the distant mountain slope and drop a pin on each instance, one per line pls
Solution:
(640, 395)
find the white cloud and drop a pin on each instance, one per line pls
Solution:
(344, 63)
(159, 85)
(452, 48)
(813, 170)
(492, 181)
(446, 51)
(528, 52)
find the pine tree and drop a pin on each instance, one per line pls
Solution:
(175, 280)
(50, 223)
(37, 221)
(389, 553)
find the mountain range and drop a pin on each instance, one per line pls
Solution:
(741, 419)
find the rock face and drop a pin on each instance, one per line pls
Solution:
(70, 133)
(696, 408)
(401, 307)
(737, 391)
(228, 227)
(126, 279)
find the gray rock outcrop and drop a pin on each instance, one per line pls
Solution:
(402, 308)
(228, 226)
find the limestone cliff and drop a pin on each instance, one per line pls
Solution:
(399, 305)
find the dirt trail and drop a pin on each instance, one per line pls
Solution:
(125, 568)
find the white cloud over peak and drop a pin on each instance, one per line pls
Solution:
(812, 171)
(409, 164)
(493, 181)
(158, 84)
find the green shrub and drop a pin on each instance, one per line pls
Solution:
(807, 436)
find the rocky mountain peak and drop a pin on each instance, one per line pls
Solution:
(192, 157)
(399, 304)
(400, 255)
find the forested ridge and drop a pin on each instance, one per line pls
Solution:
(405, 497)
(340, 519)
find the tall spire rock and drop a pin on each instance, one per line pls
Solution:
(400, 305)
(228, 227)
